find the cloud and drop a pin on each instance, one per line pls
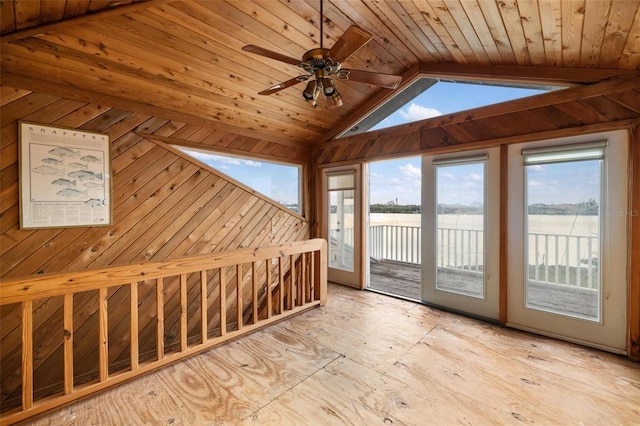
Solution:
(474, 177)
(410, 171)
(415, 112)
(447, 175)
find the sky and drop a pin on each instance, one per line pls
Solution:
(277, 181)
(400, 180)
(570, 183)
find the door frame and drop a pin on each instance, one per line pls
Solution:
(614, 264)
(487, 307)
(355, 279)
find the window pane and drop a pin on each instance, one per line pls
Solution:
(280, 182)
(428, 97)
(341, 222)
(563, 231)
(460, 228)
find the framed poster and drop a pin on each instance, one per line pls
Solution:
(65, 178)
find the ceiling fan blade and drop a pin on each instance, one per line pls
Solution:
(384, 80)
(353, 39)
(271, 54)
(278, 87)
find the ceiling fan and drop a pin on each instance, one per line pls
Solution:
(324, 63)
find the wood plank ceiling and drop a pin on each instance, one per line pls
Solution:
(184, 60)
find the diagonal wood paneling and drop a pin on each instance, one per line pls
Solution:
(164, 206)
(183, 60)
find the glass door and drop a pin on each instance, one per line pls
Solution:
(567, 250)
(460, 230)
(342, 228)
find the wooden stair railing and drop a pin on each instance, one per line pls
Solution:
(304, 288)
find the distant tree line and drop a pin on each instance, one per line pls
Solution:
(394, 208)
(587, 208)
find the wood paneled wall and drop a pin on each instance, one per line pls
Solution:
(164, 206)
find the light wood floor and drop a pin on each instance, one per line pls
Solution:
(367, 359)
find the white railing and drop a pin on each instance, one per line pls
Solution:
(552, 258)
(393, 242)
(564, 259)
(460, 249)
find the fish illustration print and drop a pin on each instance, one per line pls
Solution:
(70, 192)
(64, 182)
(78, 166)
(85, 174)
(50, 160)
(94, 202)
(65, 152)
(91, 184)
(46, 170)
(91, 159)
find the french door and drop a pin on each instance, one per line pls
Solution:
(342, 228)
(567, 239)
(460, 225)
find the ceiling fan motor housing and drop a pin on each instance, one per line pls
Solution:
(317, 61)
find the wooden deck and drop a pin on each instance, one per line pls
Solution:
(403, 279)
(366, 359)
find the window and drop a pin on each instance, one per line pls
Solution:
(341, 190)
(563, 199)
(427, 97)
(460, 219)
(280, 182)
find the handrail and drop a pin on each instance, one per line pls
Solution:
(303, 287)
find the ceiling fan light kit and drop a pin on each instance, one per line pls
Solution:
(321, 64)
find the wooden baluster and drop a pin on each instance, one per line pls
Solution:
(135, 357)
(204, 323)
(254, 287)
(68, 343)
(281, 285)
(27, 355)
(183, 312)
(312, 278)
(223, 301)
(304, 281)
(239, 294)
(160, 318)
(292, 279)
(103, 326)
(268, 288)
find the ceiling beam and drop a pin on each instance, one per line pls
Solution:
(80, 19)
(557, 76)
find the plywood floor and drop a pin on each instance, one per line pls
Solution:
(367, 359)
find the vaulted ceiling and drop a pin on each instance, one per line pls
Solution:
(184, 60)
